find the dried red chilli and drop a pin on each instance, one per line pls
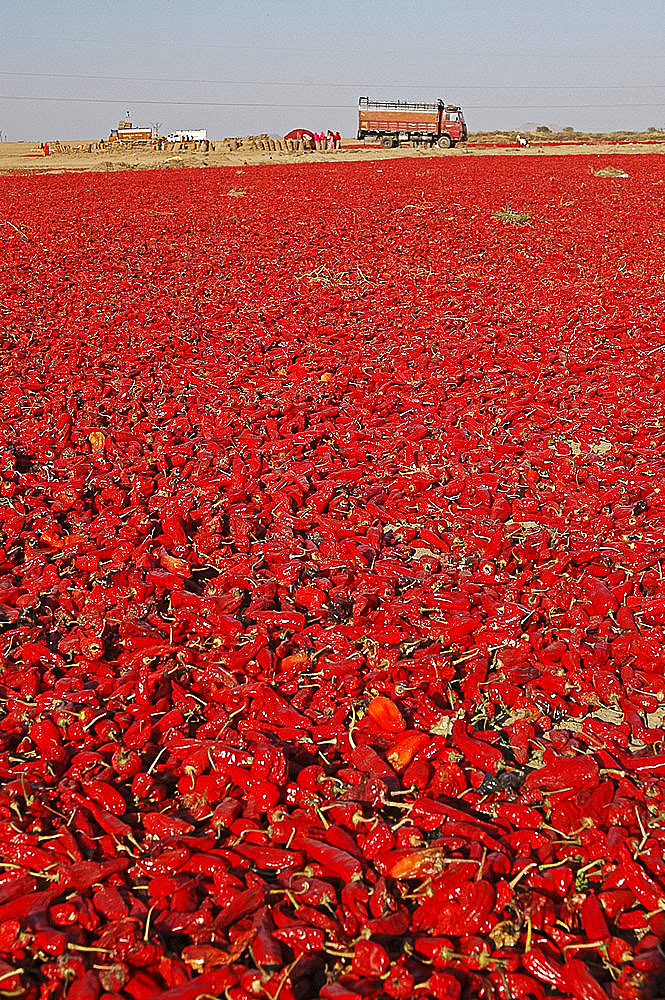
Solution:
(308, 651)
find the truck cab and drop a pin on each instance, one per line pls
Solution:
(455, 119)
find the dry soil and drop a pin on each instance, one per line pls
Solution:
(25, 157)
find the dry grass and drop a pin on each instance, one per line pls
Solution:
(610, 172)
(501, 136)
(508, 214)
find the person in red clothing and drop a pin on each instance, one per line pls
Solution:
(337, 140)
(46, 149)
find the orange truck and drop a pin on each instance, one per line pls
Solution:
(392, 122)
(125, 132)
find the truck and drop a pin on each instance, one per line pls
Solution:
(188, 135)
(125, 132)
(418, 122)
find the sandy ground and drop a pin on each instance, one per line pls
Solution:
(24, 157)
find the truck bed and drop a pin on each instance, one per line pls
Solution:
(399, 121)
(415, 117)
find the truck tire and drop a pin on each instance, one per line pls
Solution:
(445, 142)
(387, 142)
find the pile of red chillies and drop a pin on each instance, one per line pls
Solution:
(331, 594)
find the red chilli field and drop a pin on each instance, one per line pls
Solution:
(332, 602)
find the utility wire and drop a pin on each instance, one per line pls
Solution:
(226, 46)
(314, 107)
(313, 83)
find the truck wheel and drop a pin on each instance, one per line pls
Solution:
(445, 142)
(387, 142)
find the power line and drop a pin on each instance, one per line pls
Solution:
(314, 83)
(314, 107)
(225, 46)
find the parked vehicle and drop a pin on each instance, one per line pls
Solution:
(188, 135)
(125, 132)
(392, 122)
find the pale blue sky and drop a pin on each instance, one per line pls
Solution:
(72, 69)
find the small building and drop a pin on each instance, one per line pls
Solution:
(188, 135)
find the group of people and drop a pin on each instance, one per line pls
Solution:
(326, 140)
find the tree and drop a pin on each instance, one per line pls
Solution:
(543, 128)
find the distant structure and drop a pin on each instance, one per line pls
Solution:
(125, 132)
(188, 135)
